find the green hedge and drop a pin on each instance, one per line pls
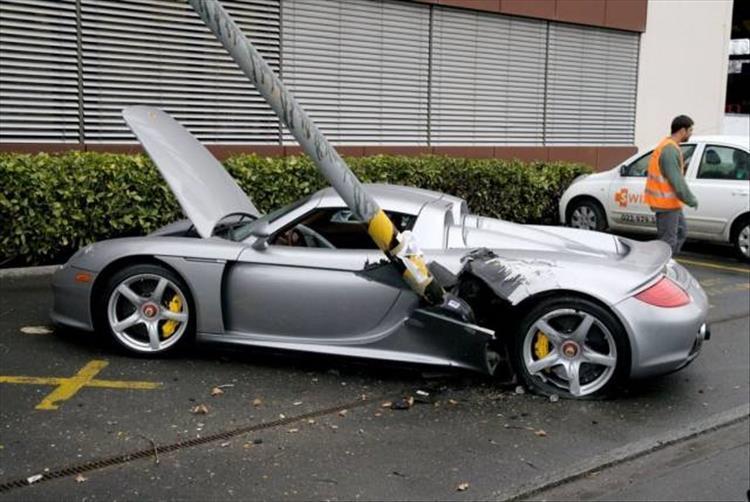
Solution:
(51, 205)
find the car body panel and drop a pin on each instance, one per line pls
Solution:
(720, 201)
(205, 191)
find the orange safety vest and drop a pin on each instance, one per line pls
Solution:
(659, 193)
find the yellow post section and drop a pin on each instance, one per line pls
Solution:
(381, 230)
(419, 263)
(68, 387)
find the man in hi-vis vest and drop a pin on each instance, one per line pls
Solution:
(666, 189)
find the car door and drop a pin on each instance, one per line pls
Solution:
(626, 206)
(299, 289)
(720, 183)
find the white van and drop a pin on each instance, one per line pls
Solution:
(717, 173)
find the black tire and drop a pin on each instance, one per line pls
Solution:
(113, 305)
(740, 236)
(606, 339)
(587, 214)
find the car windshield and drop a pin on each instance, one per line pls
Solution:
(244, 229)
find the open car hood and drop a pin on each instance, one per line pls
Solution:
(205, 190)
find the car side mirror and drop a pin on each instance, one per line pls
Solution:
(623, 169)
(261, 235)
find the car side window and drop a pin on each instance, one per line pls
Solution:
(724, 163)
(338, 228)
(639, 168)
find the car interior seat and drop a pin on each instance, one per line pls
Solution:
(711, 166)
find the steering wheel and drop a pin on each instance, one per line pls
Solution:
(312, 238)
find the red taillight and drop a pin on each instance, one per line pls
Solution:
(664, 293)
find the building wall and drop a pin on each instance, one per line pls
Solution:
(533, 79)
(683, 67)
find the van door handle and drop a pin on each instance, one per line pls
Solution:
(741, 192)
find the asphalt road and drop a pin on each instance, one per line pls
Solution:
(308, 427)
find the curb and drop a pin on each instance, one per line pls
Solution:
(626, 453)
(21, 272)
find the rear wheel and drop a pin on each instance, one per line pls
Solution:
(587, 215)
(741, 239)
(147, 310)
(572, 347)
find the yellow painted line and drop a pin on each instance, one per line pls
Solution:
(714, 265)
(69, 387)
(123, 384)
(31, 380)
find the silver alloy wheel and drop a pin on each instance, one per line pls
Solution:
(743, 241)
(583, 217)
(137, 318)
(570, 350)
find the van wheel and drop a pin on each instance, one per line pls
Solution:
(587, 215)
(741, 239)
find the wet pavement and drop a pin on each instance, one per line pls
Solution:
(299, 427)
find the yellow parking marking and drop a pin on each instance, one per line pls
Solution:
(69, 387)
(713, 265)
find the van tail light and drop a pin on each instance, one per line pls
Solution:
(665, 293)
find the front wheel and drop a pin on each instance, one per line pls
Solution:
(572, 347)
(147, 310)
(587, 215)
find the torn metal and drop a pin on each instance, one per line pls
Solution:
(509, 279)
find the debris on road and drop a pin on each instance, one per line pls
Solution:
(33, 479)
(423, 396)
(540, 433)
(554, 398)
(403, 404)
(520, 390)
(296, 403)
(452, 402)
(386, 404)
(81, 478)
(462, 487)
(200, 409)
(36, 330)
(343, 413)
(216, 391)
(293, 431)
(257, 402)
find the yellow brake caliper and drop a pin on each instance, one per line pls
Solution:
(169, 327)
(541, 346)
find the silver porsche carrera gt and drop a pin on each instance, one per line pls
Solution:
(573, 312)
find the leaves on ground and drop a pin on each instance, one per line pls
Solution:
(200, 409)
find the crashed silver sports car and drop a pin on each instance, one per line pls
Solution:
(573, 312)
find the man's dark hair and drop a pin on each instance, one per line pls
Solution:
(681, 122)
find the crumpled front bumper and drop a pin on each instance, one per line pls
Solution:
(72, 299)
(666, 339)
